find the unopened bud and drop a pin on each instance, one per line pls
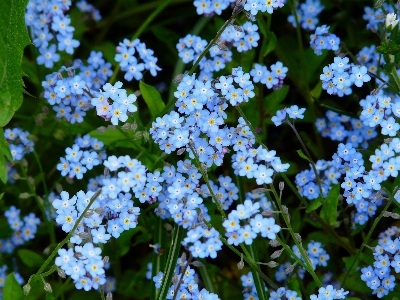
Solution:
(126, 126)
(181, 151)
(267, 213)
(106, 171)
(281, 185)
(272, 264)
(378, 3)
(31, 181)
(391, 215)
(99, 210)
(258, 191)
(109, 296)
(380, 17)
(289, 269)
(238, 28)
(183, 258)
(221, 46)
(24, 162)
(175, 279)
(47, 287)
(196, 263)
(61, 273)
(134, 126)
(298, 237)
(200, 191)
(101, 129)
(240, 263)
(83, 235)
(24, 195)
(26, 288)
(88, 214)
(106, 259)
(168, 226)
(59, 188)
(179, 78)
(274, 243)
(276, 254)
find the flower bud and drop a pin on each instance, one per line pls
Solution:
(47, 287)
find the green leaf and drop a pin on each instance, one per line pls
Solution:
(271, 44)
(389, 47)
(314, 205)
(12, 290)
(277, 96)
(152, 98)
(13, 39)
(30, 259)
(5, 230)
(302, 155)
(329, 210)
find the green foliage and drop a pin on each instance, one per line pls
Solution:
(12, 290)
(152, 98)
(13, 39)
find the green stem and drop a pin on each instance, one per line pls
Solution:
(247, 259)
(49, 223)
(60, 290)
(235, 13)
(138, 32)
(366, 240)
(308, 265)
(309, 158)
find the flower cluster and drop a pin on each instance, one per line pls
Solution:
(361, 187)
(47, 22)
(306, 14)
(343, 128)
(70, 96)
(329, 293)
(83, 6)
(293, 112)
(113, 103)
(374, 15)
(209, 7)
(180, 198)
(383, 110)
(19, 142)
(254, 6)
(78, 160)
(84, 264)
(273, 79)
(323, 40)
(188, 287)
(282, 292)
(244, 223)
(379, 277)
(23, 230)
(244, 37)
(338, 77)
(369, 58)
(135, 65)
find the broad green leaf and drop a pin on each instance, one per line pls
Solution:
(13, 39)
(329, 209)
(30, 259)
(12, 290)
(271, 43)
(277, 96)
(314, 205)
(152, 98)
(5, 230)
(302, 155)
(4, 150)
(3, 169)
(317, 90)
